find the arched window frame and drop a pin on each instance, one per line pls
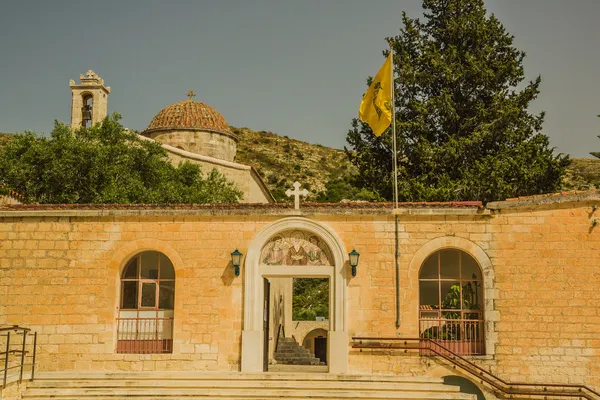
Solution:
(455, 326)
(146, 326)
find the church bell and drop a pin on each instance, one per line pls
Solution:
(86, 113)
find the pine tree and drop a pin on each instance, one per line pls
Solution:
(464, 130)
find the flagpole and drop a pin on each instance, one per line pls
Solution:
(395, 160)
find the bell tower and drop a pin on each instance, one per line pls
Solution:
(89, 100)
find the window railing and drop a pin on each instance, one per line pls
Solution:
(144, 335)
(501, 387)
(17, 354)
(462, 336)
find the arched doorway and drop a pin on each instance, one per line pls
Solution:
(315, 341)
(270, 256)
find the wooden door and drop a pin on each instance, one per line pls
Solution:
(321, 348)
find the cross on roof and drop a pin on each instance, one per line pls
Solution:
(191, 94)
(296, 193)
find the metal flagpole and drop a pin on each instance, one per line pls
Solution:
(395, 158)
(394, 130)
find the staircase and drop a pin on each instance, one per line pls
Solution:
(235, 385)
(291, 353)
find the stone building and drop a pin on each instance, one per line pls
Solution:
(188, 130)
(513, 286)
(125, 292)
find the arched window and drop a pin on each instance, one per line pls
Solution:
(145, 323)
(451, 301)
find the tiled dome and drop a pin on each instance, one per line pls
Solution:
(190, 114)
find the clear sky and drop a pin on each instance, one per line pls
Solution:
(293, 67)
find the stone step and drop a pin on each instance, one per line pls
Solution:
(228, 375)
(247, 384)
(235, 385)
(162, 393)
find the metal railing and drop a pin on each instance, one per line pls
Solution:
(506, 389)
(18, 346)
(144, 335)
(462, 336)
(280, 330)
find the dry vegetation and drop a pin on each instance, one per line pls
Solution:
(281, 161)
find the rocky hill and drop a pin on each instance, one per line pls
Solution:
(281, 161)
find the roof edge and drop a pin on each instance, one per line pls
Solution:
(545, 199)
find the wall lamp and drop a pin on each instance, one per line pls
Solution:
(236, 261)
(354, 256)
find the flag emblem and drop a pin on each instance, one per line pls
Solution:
(376, 106)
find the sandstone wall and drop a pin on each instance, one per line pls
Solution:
(59, 276)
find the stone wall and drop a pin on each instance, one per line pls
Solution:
(219, 145)
(300, 329)
(246, 179)
(541, 263)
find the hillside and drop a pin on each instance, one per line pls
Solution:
(281, 161)
(583, 174)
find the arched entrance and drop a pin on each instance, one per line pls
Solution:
(258, 267)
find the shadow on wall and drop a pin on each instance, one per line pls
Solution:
(466, 386)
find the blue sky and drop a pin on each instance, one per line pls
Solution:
(292, 67)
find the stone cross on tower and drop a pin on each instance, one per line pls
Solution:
(296, 193)
(191, 94)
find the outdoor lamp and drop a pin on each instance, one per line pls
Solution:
(354, 255)
(236, 260)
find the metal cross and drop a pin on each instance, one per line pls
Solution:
(191, 94)
(296, 193)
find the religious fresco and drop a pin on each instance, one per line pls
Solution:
(295, 248)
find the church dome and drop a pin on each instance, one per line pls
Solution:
(194, 127)
(189, 115)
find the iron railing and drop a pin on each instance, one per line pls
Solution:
(144, 335)
(18, 353)
(503, 388)
(462, 336)
(280, 330)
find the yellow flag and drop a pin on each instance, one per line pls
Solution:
(376, 106)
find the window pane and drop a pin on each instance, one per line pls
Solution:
(429, 270)
(150, 265)
(129, 295)
(429, 295)
(449, 264)
(166, 268)
(472, 293)
(470, 268)
(148, 294)
(166, 295)
(450, 295)
(131, 270)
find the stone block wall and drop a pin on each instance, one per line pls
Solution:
(59, 276)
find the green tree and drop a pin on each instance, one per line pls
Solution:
(104, 164)
(464, 130)
(596, 153)
(310, 299)
(344, 188)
